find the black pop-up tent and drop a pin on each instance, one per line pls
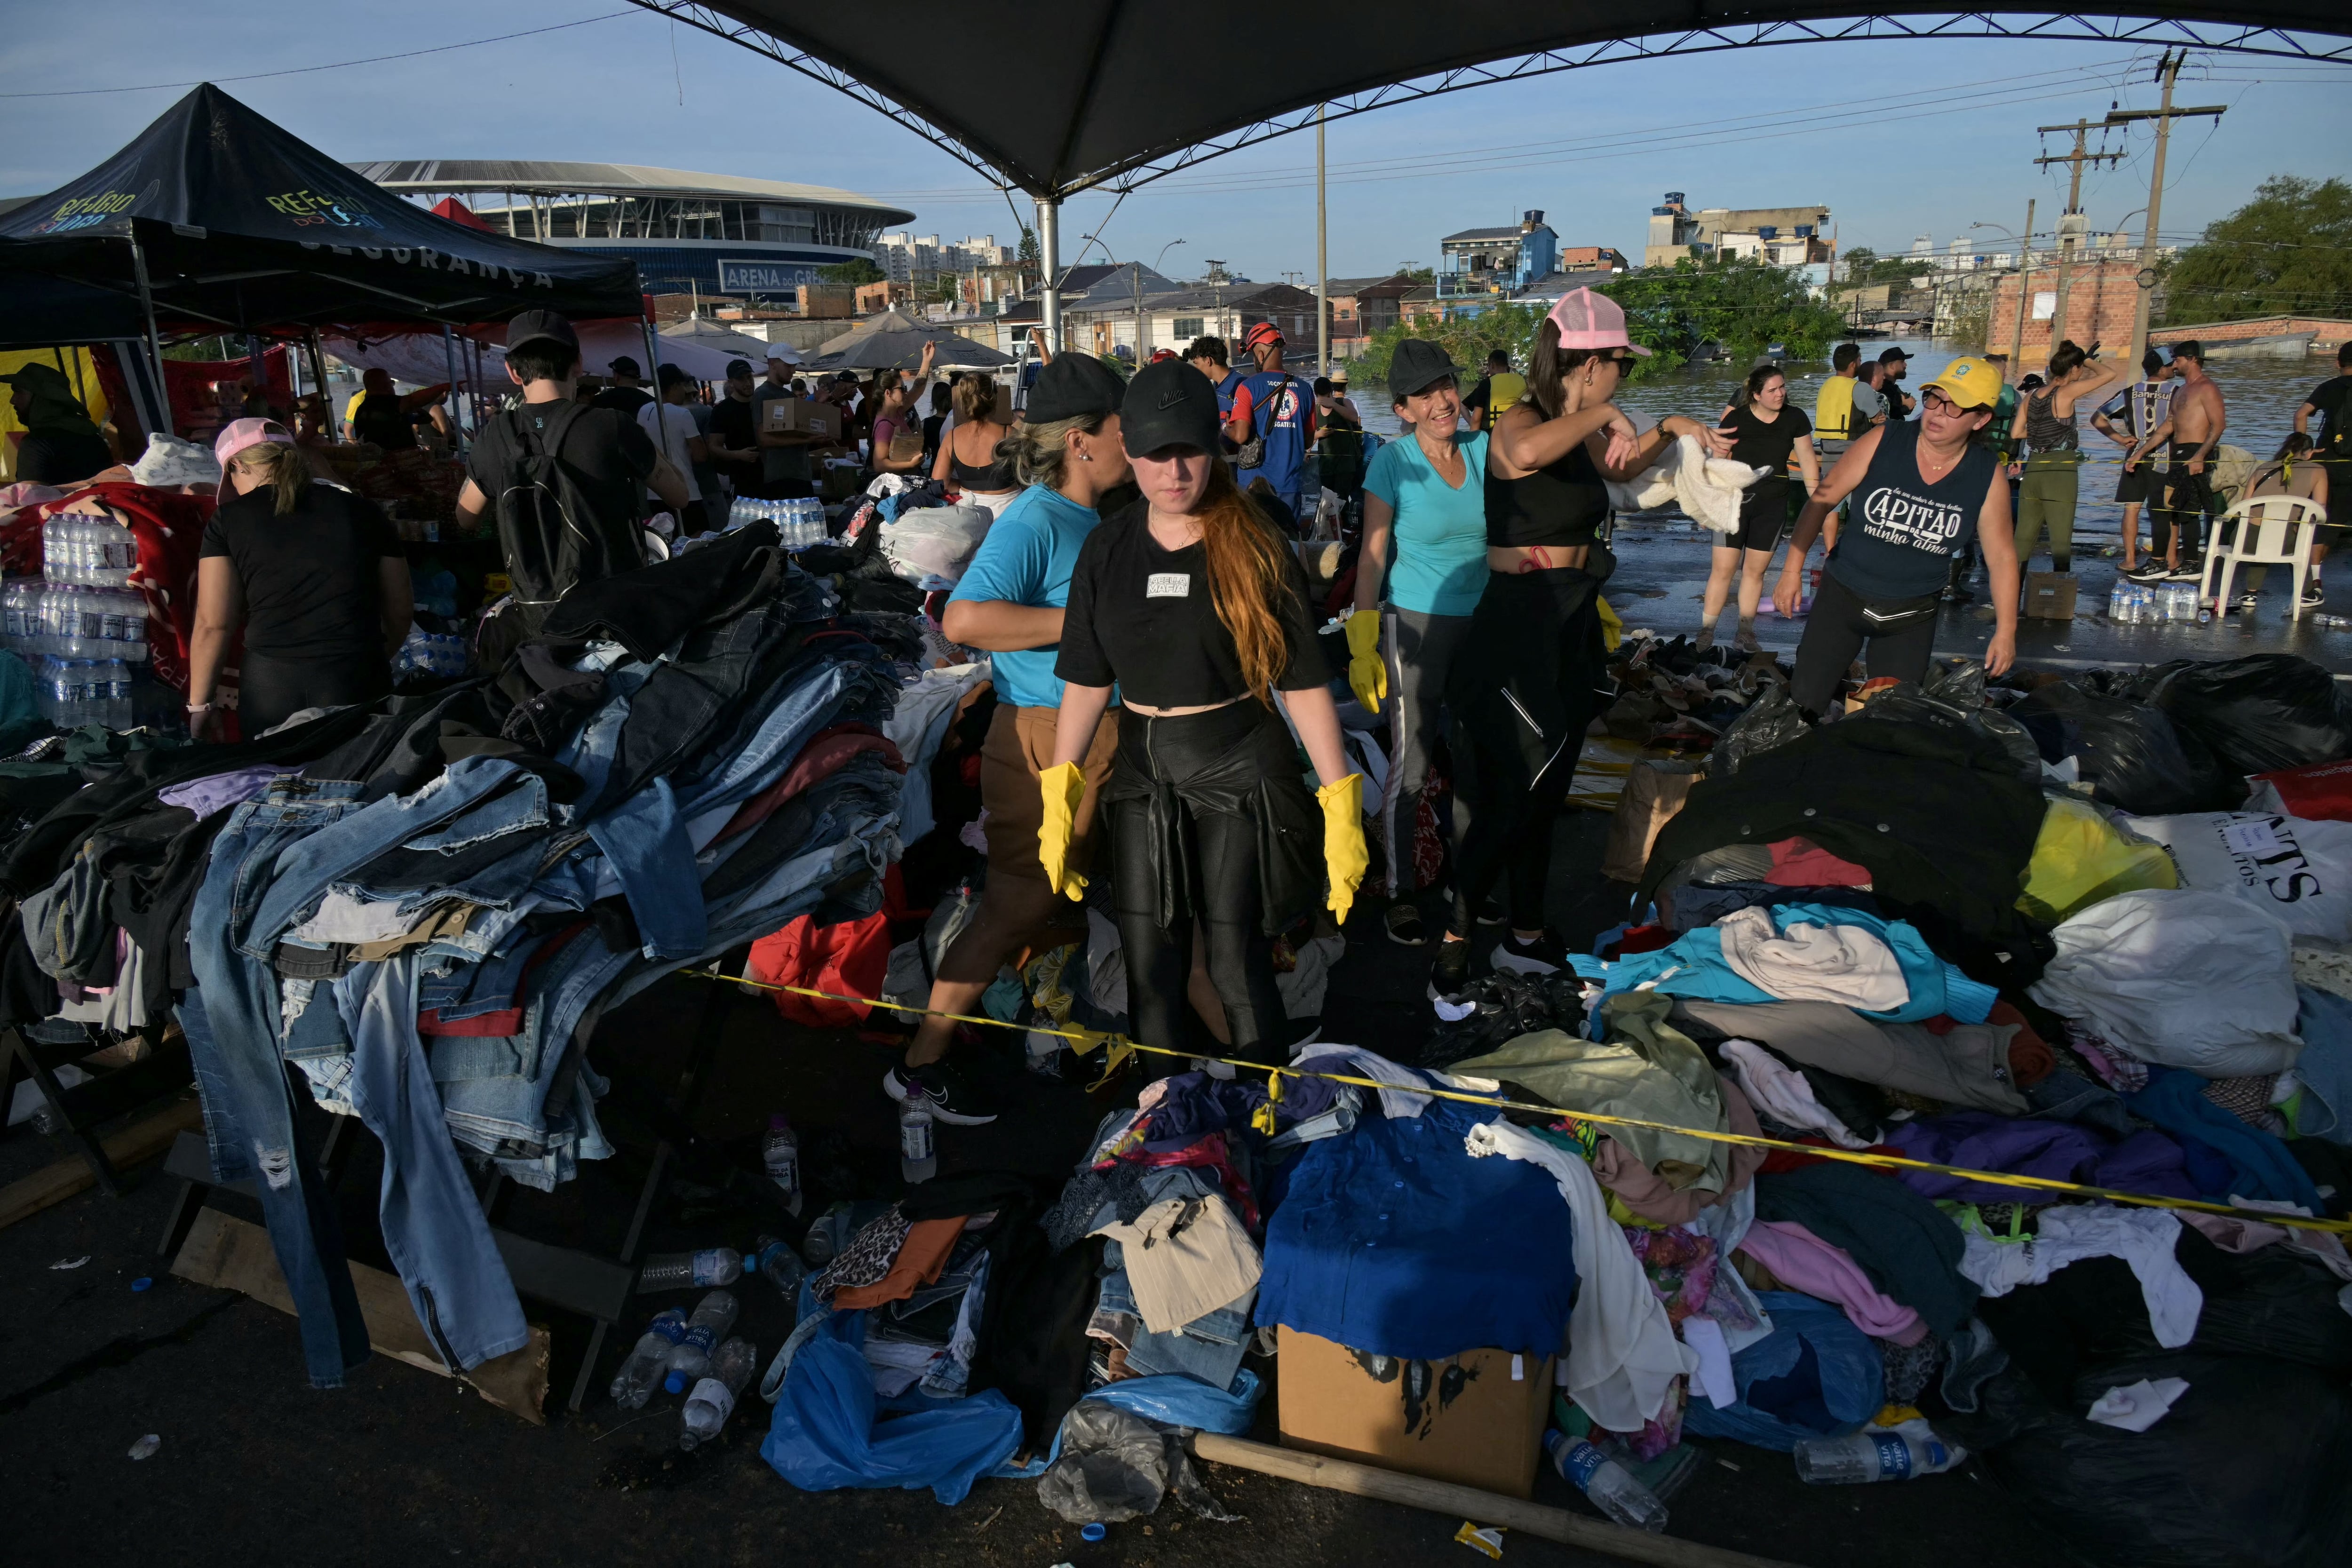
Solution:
(214, 219)
(227, 222)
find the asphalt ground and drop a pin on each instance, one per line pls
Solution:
(400, 1466)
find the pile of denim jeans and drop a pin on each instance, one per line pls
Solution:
(430, 912)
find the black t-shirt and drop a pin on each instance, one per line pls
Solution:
(610, 457)
(622, 399)
(1481, 394)
(2333, 399)
(61, 459)
(379, 419)
(1142, 616)
(310, 578)
(735, 425)
(1762, 444)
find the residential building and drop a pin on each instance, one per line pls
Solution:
(1785, 236)
(1547, 291)
(876, 298)
(1593, 259)
(1103, 319)
(1488, 262)
(1360, 307)
(908, 258)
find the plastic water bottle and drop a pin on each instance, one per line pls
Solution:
(690, 1357)
(112, 691)
(780, 1152)
(2331, 622)
(1876, 1454)
(642, 1372)
(684, 1271)
(1611, 1486)
(713, 1399)
(828, 1237)
(777, 1263)
(918, 1158)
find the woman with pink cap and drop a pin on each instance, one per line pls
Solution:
(311, 574)
(1526, 682)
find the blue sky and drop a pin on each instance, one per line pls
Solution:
(1898, 139)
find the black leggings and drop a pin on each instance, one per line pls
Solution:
(2188, 502)
(1523, 691)
(1899, 633)
(271, 690)
(1224, 890)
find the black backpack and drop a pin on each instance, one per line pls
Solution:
(552, 535)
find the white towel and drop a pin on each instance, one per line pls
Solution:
(1846, 964)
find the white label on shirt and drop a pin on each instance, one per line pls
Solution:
(1168, 585)
(2256, 839)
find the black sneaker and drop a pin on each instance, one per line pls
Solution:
(1403, 921)
(1451, 973)
(2189, 571)
(2247, 600)
(1492, 913)
(952, 1098)
(1547, 955)
(2312, 596)
(2148, 572)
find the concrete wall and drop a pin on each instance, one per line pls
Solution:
(2100, 300)
(2331, 333)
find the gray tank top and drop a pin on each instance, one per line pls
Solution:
(2044, 431)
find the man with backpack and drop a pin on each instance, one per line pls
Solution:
(565, 482)
(1273, 418)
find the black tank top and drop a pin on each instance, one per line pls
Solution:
(985, 477)
(1562, 505)
(379, 420)
(1903, 531)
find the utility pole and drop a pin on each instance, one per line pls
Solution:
(2170, 71)
(2024, 282)
(1322, 260)
(2067, 232)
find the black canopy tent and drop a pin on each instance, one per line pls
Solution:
(1088, 93)
(215, 220)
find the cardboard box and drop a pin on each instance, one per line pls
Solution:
(805, 414)
(2050, 596)
(1465, 1419)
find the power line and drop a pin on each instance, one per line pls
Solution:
(336, 66)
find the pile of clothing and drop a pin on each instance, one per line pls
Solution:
(1897, 934)
(428, 904)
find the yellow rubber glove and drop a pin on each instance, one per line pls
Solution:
(1063, 787)
(1613, 630)
(1345, 859)
(1368, 675)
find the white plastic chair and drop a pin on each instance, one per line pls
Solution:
(2272, 531)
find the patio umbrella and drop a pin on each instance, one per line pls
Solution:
(894, 341)
(718, 339)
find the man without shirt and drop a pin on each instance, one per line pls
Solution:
(2190, 433)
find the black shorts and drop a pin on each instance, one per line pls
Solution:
(1763, 516)
(2140, 484)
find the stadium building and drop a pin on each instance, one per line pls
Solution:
(719, 233)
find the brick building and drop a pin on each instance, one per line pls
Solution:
(2100, 299)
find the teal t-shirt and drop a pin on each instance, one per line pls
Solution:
(1438, 551)
(1027, 560)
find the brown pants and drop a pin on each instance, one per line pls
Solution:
(1019, 747)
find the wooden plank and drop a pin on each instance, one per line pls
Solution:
(1468, 1502)
(55, 1183)
(234, 1254)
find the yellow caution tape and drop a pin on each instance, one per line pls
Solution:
(1120, 1045)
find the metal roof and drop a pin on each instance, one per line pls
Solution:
(1469, 235)
(440, 175)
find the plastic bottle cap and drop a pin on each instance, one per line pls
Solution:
(674, 1383)
(143, 1282)
(1092, 1532)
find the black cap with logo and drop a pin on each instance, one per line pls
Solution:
(1072, 386)
(1168, 404)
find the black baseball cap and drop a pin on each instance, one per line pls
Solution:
(1072, 386)
(623, 365)
(1890, 355)
(670, 375)
(736, 367)
(1417, 366)
(1168, 405)
(542, 327)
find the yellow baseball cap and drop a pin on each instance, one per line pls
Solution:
(1969, 383)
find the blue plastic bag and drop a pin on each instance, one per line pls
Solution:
(1814, 1375)
(1175, 1401)
(830, 1430)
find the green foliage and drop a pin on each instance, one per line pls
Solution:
(1863, 265)
(1741, 303)
(2286, 252)
(1467, 339)
(860, 270)
(1027, 254)
(1418, 274)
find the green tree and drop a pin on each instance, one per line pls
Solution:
(1418, 274)
(2286, 252)
(1741, 303)
(860, 270)
(1468, 339)
(1027, 255)
(1863, 265)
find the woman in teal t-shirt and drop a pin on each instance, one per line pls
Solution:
(1426, 534)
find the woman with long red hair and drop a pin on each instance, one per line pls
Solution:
(1191, 604)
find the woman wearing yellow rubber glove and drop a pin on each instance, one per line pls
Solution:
(1425, 557)
(1191, 602)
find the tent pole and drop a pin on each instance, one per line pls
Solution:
(318, 385)
(154, 338)
(1322, 261)
(449, 362)
(1049, 265)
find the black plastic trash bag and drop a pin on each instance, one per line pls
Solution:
(2264, 711)
(2131, 753)
(1952, 701)
(2246, 1471)
(1772, 721)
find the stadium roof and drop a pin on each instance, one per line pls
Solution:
(415, 175)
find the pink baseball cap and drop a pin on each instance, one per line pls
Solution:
(239, 433)
(1589, 321)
